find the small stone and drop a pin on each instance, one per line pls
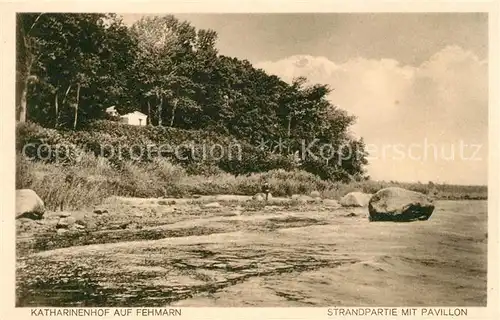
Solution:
(78, 226)
(100, 211)
(355, 199)
(64, 214)
(259, 197)
(62, 224)
(65, 222)
(315, 194)
(124, 225)
(62, 231)
(212, 205)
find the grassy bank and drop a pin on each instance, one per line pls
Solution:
(92, 179)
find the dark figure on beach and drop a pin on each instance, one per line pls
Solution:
(266, 189)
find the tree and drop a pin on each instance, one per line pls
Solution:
(79, 63)
(164, 64)
(27, 55)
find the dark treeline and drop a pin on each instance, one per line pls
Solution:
(71, 67)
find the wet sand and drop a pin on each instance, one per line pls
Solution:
(154, 253)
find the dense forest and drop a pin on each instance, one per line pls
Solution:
(71, 67)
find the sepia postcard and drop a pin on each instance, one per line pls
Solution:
(250, 160)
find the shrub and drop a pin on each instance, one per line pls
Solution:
(24, 172)
(62, 187)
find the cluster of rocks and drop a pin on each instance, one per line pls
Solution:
(392, 204)
(76, 221)
(29, 206)
(67, 222)
(388, 204)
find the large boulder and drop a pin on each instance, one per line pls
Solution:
(398, 204)
(315, 194)
(29, 204)
(259, 197)
(355, 199)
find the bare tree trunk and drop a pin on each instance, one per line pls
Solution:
(66, 94)
(24, 49)
(56, 106)
(149, 113)
(63, 102)
(23, 100)
(22, 66)
(76, 105)
(160, 105)
(174, 107)
(289, 132)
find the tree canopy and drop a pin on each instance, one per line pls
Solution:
(72, 66)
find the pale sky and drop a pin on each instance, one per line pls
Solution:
(418, 83)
